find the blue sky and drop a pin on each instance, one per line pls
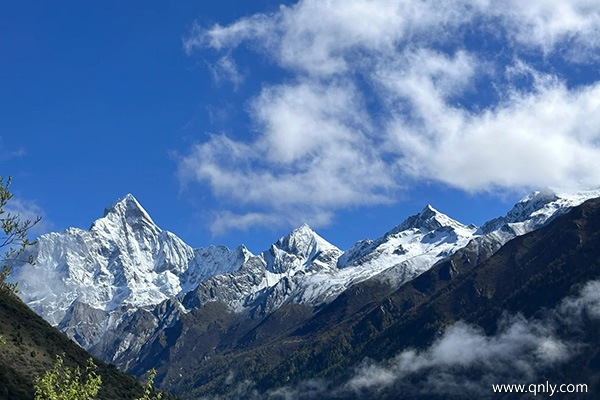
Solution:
(233, 123)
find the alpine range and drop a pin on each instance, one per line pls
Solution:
(217, 321)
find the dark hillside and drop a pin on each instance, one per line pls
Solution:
(30, 346)
(528, 278)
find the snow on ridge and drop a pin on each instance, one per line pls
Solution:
(428, 219)
(300, 249)
(126, 260)
(400, 240)
(536, 210)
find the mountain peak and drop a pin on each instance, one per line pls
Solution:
(428, 211)
(536, 209)
(303, 229)
(125, 213)
(531, 203)
(129, 208)
(122, 203)
(428, 219)
(302, 244)
(298, 239)
(522, 212)
(540, 196)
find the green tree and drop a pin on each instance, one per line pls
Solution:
(149, 388)
(64, 383)
(13, 241)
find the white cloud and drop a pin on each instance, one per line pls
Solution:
(225, 221)
(227, 70)
(551, 24)
(314, 155)
(573, 310)
(28, 210)
(317, 36)
(320, 37)
(381, 92)
(534, 139)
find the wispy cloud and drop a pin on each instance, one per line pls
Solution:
(28, 210)
(469, 93)
(226, 70)
(8, 153)
(572, 27)
(519, 351)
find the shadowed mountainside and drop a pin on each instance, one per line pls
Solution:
(30, 346)
(527, 277)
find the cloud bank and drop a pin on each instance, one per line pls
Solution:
(518, 352)
(465, 362)
(373, 96)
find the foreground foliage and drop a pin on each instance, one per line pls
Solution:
(64, 383)
(149, 388)
(14, 240)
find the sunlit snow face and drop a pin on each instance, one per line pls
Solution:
(123, 260)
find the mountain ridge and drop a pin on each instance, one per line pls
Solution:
(300, 274)
(171, 259)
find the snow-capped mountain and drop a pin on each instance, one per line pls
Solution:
(535, 210)
(125, 274)
(418, 242)
(269, 280)
(301, 249)
(304, 268)
(409, 249)
(123, 260)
